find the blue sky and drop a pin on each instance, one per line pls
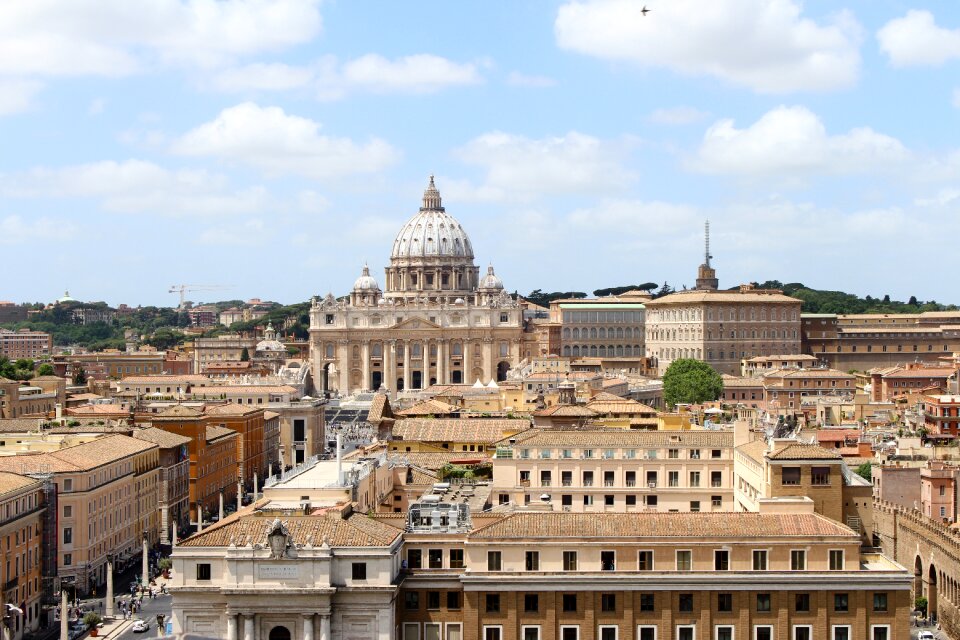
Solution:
(275, 146)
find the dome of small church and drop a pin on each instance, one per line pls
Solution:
(366, 282)
(432, 232)
(491, 280)
(270, 342)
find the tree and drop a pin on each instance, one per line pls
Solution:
(92, 620)
(920, 604)
(865, 471)
(79, 376)
(45, 370)
(690, 381)
(245, 355)
(913, 301)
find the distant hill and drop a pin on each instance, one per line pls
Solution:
(821, 301)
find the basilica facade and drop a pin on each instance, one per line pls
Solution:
(436, 320)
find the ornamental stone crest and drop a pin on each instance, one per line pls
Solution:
(278, 538)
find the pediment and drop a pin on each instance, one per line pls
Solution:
(416, 322)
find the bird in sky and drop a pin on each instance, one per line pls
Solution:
(645, 11)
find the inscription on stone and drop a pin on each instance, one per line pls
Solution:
(278, 571)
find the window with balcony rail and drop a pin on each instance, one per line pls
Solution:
(631, 478)
(588, 478)
(820, 476)
(716, 479)
(694, 454)
(694, 478)
(673, 478)
(790, 476)
(566, 478)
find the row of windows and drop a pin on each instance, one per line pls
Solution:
(629, 479)
(733, 314)
(601, 333)
(650, 501)
(649, 632)
(683, 561)
(609, 351)
(625, 454)
(594, 317)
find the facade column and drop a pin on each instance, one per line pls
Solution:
(390, 367)
(406, 365)
(146, 560)
(468, 362)
(515, 352)
(325, 626)
(343, 366)
(248, 626)
(308, 626)
(231, 626)
(487, 359)
(441, 362)
(109, 603)
(365, 363)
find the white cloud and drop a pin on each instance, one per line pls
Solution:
(637, 217)
(792, 141)
(956, 97)
(16, 95)
(245, 234)
(14, 230)
(763, 44)
(915, 39)
(96, 106)
(270, 140)
(137, 186)
(678, 115)
(526, 168)
(118, 37)
(517, 79)
(371, 73)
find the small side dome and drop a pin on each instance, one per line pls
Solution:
(491, 280)
(366, 282)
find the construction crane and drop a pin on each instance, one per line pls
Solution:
(183, 288)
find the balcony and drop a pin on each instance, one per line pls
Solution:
(631, 483)
(652, 485)
(716, 484)
(567, 483)
(588, 483)
(608, 483)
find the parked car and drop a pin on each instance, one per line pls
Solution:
(139, 626)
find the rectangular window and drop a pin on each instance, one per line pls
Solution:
(694, 506)
(694, 478)
(841, 632)
(456, 558)
(685, 632)
(608, 602)
(411, 631)
(721, 560)
(836, 559)
(802, 632)
(608, 561)
(492, 633)
(763, 602)
(569, 601)
(608, 632)
(433, 600)
(414, 558)
(723, 632)
(453, 600)
(646, 632)
(673, 478)
(647, 602)
(431, 631)
(531, 602)
(568, 632)
(801, 602)
(685, 602)
(798, 560)
(716, 479)
(841, 602)
(763, 632)
(880, 602)
(68, 511)
(569, 560)
(532, 562)
(529, 632)
(684, 561)
(493, 561)
(358, 571)
(493, 603)
(67, 535)
(203, 571)
(759, 559)
(725, 602)
(673, 453)
(411, 600)
(645, 561)
(67, 559)
(820, 476)
(880, 632)
(790, 476)
(435, 558)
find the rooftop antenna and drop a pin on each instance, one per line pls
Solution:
(708, 256)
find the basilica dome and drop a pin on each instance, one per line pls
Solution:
(366, 282)
(491, 280)
(432, 233)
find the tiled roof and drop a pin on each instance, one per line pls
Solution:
(231, 409)
(621, 406)
(20, 425)
(792, 358)
(429, 407)
(755, 449)
(798, 451)
(10, 482)
(435, 460)
(736, 382)
(604, 396)
(565, 411)
(836, 435)
(80, 457)
(237, 389)
(165, 439)
(245, 527)
(622, 438)
(379, 405)
(217, 433)
(736, 525)
(178, 411)
(720, 296)
(807, 373)
(922, 373)
(479, 430)
(164, 379)
(96, 410)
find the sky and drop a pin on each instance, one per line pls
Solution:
(272, 147)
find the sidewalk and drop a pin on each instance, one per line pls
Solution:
(114, 628)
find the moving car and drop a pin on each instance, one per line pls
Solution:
(925, 635)
(139, 626)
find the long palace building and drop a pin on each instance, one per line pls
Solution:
(437, 321)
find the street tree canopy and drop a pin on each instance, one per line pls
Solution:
(690, 381)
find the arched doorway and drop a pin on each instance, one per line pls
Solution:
(279, 633)
(502, 369)
(932, 593)
(456, 376)
(376, 380)
(917, 578)
(326, 378)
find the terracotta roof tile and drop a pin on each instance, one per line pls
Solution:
(165, 439)
(622, 438)
(721, 296)
(481, 430)
(565, 411)
(429, 407)
(246, 527)
(216, 433)
(799, 451)
(10, 482)
(80, 457)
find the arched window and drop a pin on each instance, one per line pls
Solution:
(356, 351)
(566, 350)
(602, 333)
(566, 333)
(329, 349)
(576, 334)
(593, 351)
(376, 350)
(602, 351)
(576, 351)
(593, 333)
(457, 349)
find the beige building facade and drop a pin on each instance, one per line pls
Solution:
(435, 322)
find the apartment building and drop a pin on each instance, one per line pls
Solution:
(106, 500)
(24, 343)
(941, 414)
(114, 364)
(174, 489)
(471, 435)
(38, 397)
(616, 470)
(22, 508)
(608, 328)
(786, 389)
(223, 348)
(888, 384)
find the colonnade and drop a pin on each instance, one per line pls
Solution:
(316, 626)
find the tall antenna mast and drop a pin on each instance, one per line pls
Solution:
(708, 256)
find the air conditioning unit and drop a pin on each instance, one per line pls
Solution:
(566, 508)
(652, 485)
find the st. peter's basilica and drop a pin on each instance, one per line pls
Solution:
(435, 322)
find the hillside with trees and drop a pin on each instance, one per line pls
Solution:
(821, 301)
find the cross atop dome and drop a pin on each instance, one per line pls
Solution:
(431, 198)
